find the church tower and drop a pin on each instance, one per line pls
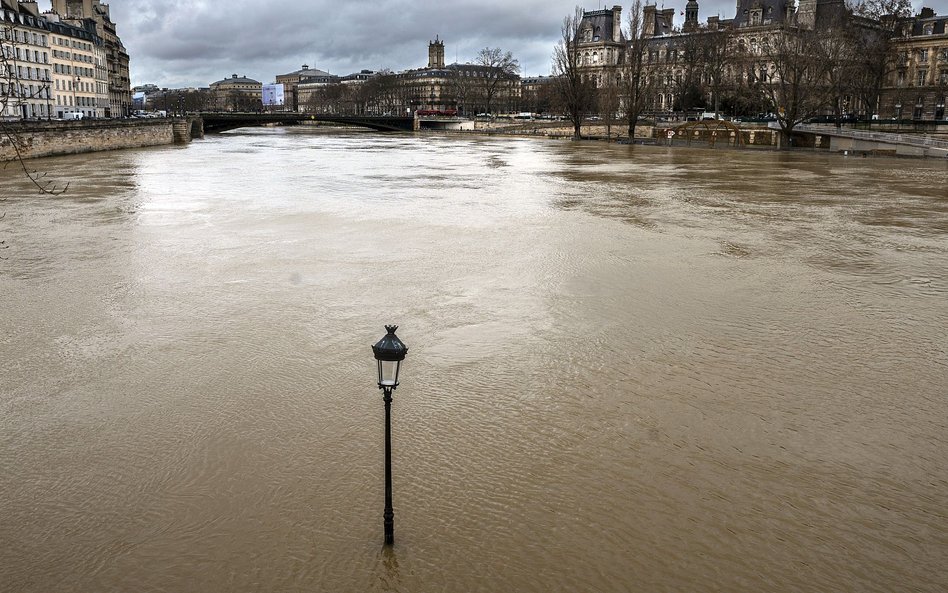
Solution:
(436, 54)
(691, 15)
(73, 9)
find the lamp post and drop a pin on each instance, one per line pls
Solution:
(389, 353)
(75, 99)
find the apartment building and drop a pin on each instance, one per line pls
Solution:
(918, 82)
(58, 64)
(115, 57)
(25, 62)
(80, 76)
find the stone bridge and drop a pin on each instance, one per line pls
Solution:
(221, 122)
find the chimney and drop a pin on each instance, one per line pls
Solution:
(31, 7)
(648, 20)
(616, 23)
(927, 13)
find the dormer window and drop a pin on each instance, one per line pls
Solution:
(597, 33)
(929, 29)
(756, 17)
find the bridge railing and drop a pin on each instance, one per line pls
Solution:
(886, 137)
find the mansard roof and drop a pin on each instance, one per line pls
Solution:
(601, 24)
(772, 11)
(929, 26)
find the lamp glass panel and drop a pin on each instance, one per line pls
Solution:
(388, 372)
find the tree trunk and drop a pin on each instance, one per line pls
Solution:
(786, 139)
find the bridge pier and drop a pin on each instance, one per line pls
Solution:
(181, 130)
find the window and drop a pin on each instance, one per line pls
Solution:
(923, 55)
(922, 76)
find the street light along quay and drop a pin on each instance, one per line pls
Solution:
(389, 353)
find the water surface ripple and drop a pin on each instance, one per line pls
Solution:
(631, 369)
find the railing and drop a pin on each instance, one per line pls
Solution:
(907, 139)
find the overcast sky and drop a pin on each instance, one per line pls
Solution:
(183, 43)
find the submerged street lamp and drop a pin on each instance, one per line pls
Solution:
(389, 353)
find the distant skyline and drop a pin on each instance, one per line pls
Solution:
(184, 44)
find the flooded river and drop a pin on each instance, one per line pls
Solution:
(630, 368)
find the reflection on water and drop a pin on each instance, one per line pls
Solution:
(630, 368)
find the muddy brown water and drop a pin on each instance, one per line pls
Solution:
(631, 368)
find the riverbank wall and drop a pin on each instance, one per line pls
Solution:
(30, 140)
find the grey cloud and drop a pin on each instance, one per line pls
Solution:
(195, 42)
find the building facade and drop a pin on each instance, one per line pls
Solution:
(292, 80)
(80, 75)
(310, 89)
(918, 80)
(25, 62)
(464, 89)
(116, 60)
(682, 81)
(237, 93)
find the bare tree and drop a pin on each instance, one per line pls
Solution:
(873, 49)
(880, 9)
(635, 85)
(465, 90)
(607, 98)
(715, 55)
(687, 62)
(500, 69)
(327, 98)
(380, 93)
(797, 84)
(573, 87)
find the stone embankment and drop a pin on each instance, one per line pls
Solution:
(919, 140)
(751, 135)
(35, 139)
